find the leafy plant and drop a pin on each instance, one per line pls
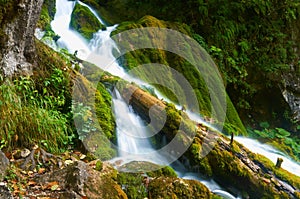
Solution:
(278, 137)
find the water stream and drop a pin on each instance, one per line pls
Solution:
(131, 145)
(271, 153)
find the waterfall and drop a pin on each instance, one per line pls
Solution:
(131, 136)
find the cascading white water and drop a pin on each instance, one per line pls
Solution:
(127, 121)
(99, 51)
(210, 184)
(271, 153)
(133, 142)
(69, 39)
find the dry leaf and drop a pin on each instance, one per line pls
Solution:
(68, 162)
(54, 187)
(50, 185)
(41, 170)
(31, 183)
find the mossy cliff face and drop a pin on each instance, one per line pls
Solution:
(84, 21)
(18, 21)
(172, 63)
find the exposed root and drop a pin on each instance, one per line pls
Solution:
(37, 156)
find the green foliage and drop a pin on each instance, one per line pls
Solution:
(27, 122)
(264, 125)
(84, 123)
(84, 21)
(279, 138)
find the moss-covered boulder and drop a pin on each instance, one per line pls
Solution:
(84, 21)
(133, 185)
(173, 188)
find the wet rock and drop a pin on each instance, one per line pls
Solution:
(4, 163)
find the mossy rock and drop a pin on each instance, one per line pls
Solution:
(133, 185)
(173, 188)
(165, 171)
(84, 21)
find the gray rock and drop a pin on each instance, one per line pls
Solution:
(18, 53)
(79, 180)
(4, 163)
(291, 92)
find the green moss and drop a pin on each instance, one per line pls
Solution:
(132, 184)
(84, 22)
(281, 173)
(173, 188)
(47, 14)
(165, 171)
(196, 79)
(103, 106)
(103, 99)
(99, 166)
